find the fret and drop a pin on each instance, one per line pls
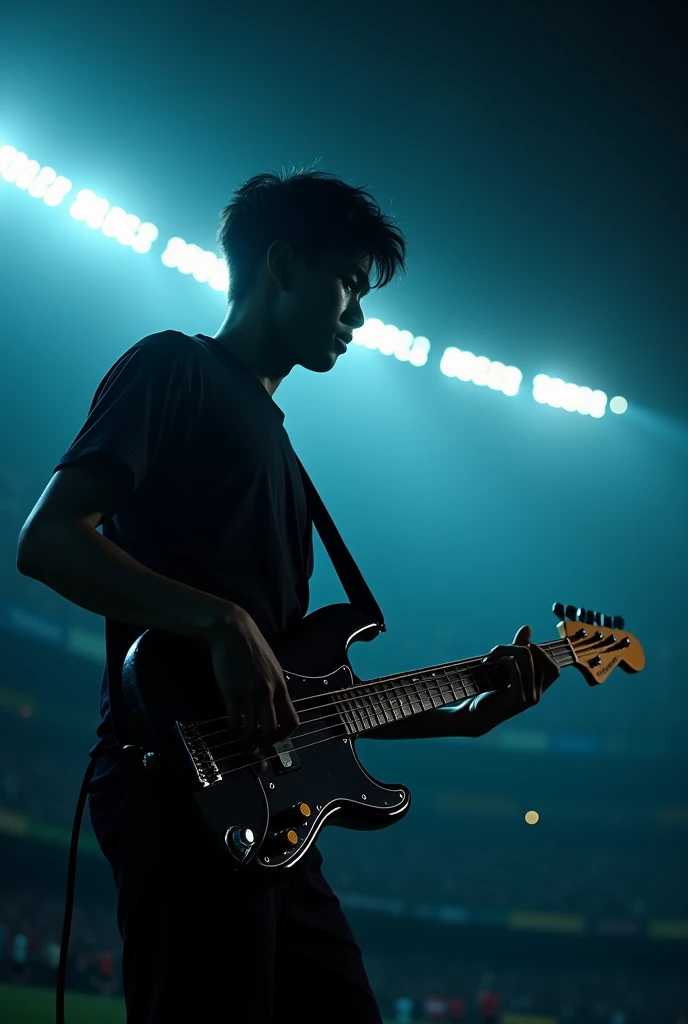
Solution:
(458, 682)
(396, 699)
(468, 683)
(353, 723)
(348, 719)
(435, 694)
(421, 691)
(413, 697)
(446, 690)
(363, 704)
(381, 702)
(406, 700)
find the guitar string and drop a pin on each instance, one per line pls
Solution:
(367, 690)
(301, 746)
(554, 647)
(431, 690)
(312, 732)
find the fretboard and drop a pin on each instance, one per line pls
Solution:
(391, 698)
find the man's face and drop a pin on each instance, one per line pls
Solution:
(319, 303)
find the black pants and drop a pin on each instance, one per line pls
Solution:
(197, 945)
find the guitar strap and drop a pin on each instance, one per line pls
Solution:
(355, 587)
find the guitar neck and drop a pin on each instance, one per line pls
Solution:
(391, 698)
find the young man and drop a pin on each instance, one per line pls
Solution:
(185, 462)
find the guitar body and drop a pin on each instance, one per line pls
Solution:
(260, 810)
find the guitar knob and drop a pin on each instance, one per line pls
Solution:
(281, 842)
(570, 612)
(618, 622)
(598, 618)
(597, 660)
(297, 814)
(559, 610)
(608, 621)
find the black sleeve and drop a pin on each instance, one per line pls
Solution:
(135, 412)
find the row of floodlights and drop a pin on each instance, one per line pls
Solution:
(466, 366)
(114, 222)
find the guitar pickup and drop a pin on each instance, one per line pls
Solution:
(287, 758)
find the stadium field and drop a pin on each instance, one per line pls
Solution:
(21, 1004)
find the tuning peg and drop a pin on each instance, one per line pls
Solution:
(559, 610)
(590, 618)
(608, 621)
(580, 615)
(570, 612)
(618, 622)
(598, 618)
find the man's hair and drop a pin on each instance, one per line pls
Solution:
(312, 210)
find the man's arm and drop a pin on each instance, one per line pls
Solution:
(60, 546)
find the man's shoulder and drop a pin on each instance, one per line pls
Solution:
(173, 343)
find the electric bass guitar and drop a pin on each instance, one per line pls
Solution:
(264, 808)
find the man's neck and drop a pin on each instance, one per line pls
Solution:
(246, 346)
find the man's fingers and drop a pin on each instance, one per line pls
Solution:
(515, 657)
(268, 720)
(546, 666)
(529, 668)
(515, 675)
(286, 713)
(523, 636)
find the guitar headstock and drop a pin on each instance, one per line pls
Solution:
(600, 643)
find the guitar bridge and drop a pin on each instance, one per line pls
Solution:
(203, 762)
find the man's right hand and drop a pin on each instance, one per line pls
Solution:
(251, 681)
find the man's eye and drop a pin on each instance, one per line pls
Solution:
(350, 282)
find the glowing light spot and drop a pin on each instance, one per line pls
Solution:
(532, 817)
(571, 397)
(466, 366)
(618, 405)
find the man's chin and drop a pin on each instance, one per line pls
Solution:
(320, 363)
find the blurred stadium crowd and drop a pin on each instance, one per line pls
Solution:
(454, 983)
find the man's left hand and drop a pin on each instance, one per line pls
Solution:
(530, 669)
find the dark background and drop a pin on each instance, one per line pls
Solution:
(534, 156)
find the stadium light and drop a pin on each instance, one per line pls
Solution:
(558, 394)
(113, 221)
(466, 366)
(391, 341)
(39, 182)
(203, 265)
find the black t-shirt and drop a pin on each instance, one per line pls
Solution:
(216, 499)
